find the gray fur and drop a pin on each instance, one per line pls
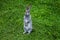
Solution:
(27, 22)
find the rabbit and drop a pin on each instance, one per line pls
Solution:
(27, 22)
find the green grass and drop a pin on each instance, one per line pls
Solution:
(45, 17)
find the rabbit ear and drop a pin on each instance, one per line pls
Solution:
(28, 7)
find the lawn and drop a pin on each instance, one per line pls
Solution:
(45, 18)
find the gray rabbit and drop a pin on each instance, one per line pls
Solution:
(27, 21)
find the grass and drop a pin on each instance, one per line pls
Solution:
(45, 17)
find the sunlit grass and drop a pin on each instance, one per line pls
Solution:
(45, 18)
